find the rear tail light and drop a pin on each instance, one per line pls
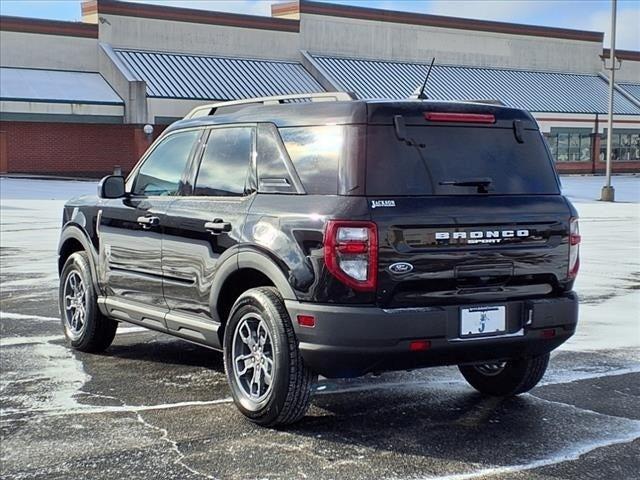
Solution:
(574, 248)
(351, 253)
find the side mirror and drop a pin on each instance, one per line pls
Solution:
(111, 186)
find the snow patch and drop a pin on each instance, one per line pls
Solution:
(20, 316)
(59, 376)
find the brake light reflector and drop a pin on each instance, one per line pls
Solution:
(460, 117)
(549, 333)
(351, 253)
(306, 321)
(574, 248)
(419, 345)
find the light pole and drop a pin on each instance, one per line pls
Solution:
(608, 192)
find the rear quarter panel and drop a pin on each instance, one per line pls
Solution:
(290, 229)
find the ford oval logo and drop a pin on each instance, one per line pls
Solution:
(400, 267)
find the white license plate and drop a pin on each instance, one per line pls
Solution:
(478, 321)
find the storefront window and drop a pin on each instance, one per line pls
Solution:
(570, 144)
(625, 145)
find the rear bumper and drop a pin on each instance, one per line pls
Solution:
(349, 341)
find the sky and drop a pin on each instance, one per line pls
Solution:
(594, 15)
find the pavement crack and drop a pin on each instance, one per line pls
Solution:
(174, 446)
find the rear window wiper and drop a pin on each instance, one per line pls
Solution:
(483, 183)
(401, 134)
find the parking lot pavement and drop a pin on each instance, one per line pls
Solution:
(155, 407)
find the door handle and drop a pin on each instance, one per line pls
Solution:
(217, 226)
(148, 222)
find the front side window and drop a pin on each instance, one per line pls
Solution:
(162, 170)
(225, 162)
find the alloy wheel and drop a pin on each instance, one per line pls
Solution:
(491, 369)
(75, 305)
(253, 359)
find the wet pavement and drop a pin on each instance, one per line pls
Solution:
(155, 407)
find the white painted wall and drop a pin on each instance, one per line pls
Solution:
(165, 107)
(57, 52)
(386, 40)
(61, 108)
(184, 37)
(572, 120)
(629, 72)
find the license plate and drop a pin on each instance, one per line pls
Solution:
(478, 321)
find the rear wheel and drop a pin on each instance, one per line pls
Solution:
(269, 381)
(85, 328)
(507, 378)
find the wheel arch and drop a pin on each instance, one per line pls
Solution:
(72, 240)
(247, 269)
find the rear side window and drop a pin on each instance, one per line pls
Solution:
(457, 154)
(274, 175)
(225, 162)
(315, 153)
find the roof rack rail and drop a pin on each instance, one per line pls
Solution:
(209, 109)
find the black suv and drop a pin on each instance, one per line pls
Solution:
(335, 238)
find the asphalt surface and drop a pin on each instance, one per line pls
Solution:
(155, 407)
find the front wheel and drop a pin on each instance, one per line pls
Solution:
(85, 327)
(269, 381)
(507, 378)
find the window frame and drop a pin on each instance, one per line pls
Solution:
(570, 132)
(620, 132)
(296, 187)
(250, 185)
(182, 183)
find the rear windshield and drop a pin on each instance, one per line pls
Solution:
(446, 155)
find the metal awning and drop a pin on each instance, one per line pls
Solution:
(535, 91)
(55, 86)
(201, 77)
(632, 89)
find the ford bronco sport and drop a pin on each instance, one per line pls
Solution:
(331, 236)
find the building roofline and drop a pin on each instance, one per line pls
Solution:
(394, 16)
(203, 55)
(285, 8)
(618, 88)
(451, 65)
(631, 55)
(48, 27)
(64, 101)
(89, 7)
(178, 14)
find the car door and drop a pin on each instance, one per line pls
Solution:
(130, 231)
(203, 226)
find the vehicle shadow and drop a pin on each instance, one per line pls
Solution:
(168, 351)
(396, 425)
(427, 424)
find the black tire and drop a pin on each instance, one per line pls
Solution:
(287, 397)
(97, 331)
(515, 377)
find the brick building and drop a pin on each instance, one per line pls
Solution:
(75, 96)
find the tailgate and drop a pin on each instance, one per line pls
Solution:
(468, 249)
